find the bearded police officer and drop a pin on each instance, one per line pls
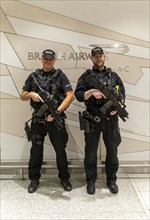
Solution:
(97, 123)
(56, 83)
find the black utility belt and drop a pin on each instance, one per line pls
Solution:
(85, 118)
(94, 118)
(88, 116)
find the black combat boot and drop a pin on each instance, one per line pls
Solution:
(113, 188)
(66, 184)
(90, 187)
(33, 186)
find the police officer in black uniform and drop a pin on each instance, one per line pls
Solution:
(56, 82)
(107, 123)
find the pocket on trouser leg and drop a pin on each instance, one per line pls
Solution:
(91, 128)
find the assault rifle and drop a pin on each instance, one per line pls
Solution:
(112, 98)
(50, 105)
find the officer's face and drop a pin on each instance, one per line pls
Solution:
(48, 63)
(98, 60)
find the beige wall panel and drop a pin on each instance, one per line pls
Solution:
(74, 73)
(3, 70)
(19, 76)
(12, 122)
(8, 54)
(74, 84)
(5, 25)
(80, 104)
(71, 116)
(128, 146)
(13, 115)
(76, 140)
(8, 86)
(29, 50)
(128, 68)
(31, 13)
(73, 145)
(119, 13)
(6, 96)
(47, 141)
(16, 149)
(136, 99)
(84, 60)
(15, 112)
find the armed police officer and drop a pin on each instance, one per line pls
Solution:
(55, 83)
(94, 122)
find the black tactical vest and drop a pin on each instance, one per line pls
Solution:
(48, 84)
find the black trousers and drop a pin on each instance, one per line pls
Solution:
(112, 138)
(58, 139)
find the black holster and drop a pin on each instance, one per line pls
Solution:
(84, 123)
(27, 129)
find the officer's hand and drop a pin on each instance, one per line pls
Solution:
(49, 118)
(35, 96)
(98, 94)
(113, 112)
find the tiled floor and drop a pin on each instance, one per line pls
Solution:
(51, 202)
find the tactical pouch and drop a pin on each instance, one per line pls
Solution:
(27, 129)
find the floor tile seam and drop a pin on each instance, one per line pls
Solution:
(135, 188)
(147, 180)
(137, 196)
(98, 212)
(112, 213)
(139, 174)
(55, 213)
(133, 212)
(134, 184)
(147, 214)
(139, 179)
(115, 218)
(143, 201)
(33, 219)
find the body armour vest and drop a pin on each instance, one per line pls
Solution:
(48, 84)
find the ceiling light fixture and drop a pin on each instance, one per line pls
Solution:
(121, 48)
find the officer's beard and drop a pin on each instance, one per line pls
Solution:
(99, 65)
